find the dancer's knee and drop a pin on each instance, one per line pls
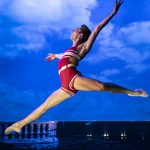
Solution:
(45, 106)
(100, 85)
(108, 85)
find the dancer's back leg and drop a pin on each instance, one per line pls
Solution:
(88, 84)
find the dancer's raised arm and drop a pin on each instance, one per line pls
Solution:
(88, 44)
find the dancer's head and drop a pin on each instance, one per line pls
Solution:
(83, 31)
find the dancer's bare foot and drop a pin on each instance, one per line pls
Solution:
(139, 92)
(14, 127)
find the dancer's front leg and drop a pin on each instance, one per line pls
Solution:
(54, 99)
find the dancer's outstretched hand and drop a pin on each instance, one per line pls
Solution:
(117, 6)
(50, 57)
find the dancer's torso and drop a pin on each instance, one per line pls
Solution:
(70, 56)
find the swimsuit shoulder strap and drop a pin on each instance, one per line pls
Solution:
(74, 47)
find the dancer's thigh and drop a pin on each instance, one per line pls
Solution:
(87, 84)
(56, 97)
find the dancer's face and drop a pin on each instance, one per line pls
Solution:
(76, 32)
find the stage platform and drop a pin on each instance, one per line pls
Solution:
(79, 135)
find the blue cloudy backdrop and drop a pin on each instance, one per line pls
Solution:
(29, 29)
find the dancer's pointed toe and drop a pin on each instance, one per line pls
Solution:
(13, 128)
(139, 92)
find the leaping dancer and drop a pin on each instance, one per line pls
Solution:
(71, 78)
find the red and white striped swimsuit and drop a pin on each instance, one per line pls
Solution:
(67, 71)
